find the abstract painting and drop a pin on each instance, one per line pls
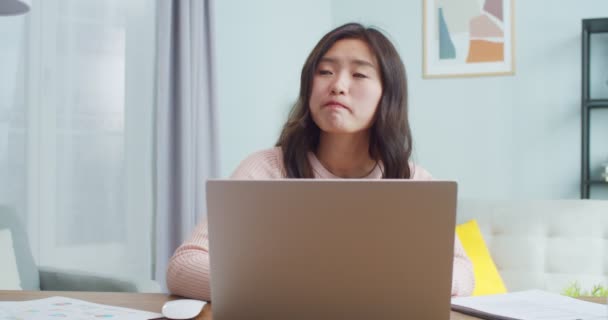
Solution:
(468, 38)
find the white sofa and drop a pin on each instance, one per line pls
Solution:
(545, 244)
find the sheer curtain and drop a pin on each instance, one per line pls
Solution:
(76, 131)
(13, 124)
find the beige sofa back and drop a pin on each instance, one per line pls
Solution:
(544, 244)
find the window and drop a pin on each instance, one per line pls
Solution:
(79, 145)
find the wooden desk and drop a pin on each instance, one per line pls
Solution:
(152, 302)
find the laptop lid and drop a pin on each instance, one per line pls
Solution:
(331, 249)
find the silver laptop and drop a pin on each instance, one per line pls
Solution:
(331, 249)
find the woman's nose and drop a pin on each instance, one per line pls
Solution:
(339, 85)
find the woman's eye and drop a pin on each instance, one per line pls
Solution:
(324, 72)
(359, 75)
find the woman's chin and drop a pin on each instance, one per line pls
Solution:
(338, 130)
(339, 126)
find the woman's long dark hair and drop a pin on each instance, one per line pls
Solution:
(390, 135)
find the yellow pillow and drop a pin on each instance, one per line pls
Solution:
(487, 278)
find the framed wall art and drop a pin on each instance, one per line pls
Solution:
(468, 38)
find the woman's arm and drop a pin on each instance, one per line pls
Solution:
(188, 271)
(463, 281)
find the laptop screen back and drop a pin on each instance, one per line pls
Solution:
(322, 249)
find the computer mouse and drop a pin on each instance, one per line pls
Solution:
(182, 309)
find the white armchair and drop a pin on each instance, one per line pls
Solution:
(25, 274)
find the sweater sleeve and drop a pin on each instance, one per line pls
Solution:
(463, 281)
(188, 270)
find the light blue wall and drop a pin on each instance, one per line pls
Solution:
(499, 137)
(260, 49)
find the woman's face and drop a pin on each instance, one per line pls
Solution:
(346, 88)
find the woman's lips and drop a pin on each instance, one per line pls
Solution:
(335, 104)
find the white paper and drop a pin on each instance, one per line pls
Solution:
(532, 305)
(61, 308)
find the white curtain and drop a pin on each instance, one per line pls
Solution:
(13, 171)
(76, 131)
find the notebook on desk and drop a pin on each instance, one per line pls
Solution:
(529, 305)
(331, 249)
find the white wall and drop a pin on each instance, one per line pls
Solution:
(499, 137)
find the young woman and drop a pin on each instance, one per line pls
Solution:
(350, 121)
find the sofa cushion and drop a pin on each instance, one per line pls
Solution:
(487, 278)
(543, 244)
(9, 275)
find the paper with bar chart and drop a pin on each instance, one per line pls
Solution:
(62, 308)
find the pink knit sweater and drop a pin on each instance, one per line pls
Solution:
(188, 271)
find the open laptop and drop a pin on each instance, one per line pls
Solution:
(331, 249)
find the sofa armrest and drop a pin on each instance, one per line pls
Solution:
(54, 279)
